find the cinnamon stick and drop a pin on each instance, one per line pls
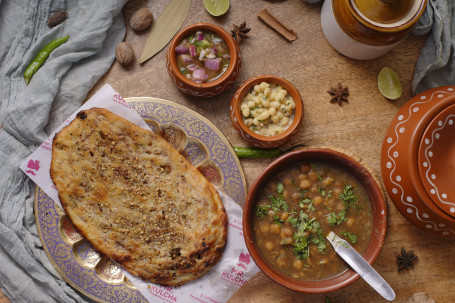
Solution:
(266, 17)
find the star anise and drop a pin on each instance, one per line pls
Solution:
(339, 94)
(240, 32)
(405, 260)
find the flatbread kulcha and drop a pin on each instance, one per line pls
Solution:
(136, 199)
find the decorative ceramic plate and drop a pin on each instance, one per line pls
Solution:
(400, 163)
(192, 135)
(437, 160)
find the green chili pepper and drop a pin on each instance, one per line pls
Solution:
(41, 57)
(261, 153)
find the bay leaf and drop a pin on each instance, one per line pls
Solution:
(167, 25)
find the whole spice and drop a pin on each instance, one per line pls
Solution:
(124, 53)
(42, 56)
(405, 260)
(141, 19)
(240, 32)
(339, 94)
(272, 21)
(57, 18)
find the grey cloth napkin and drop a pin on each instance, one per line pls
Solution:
(436, 64)
(29, 113)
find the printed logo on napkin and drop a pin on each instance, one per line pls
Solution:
(217, 286)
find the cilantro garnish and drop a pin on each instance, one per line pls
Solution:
(278, 203)
(348, 197)
(321, 190)
(262, 210)
(337, 219)
(277, 220)
(352, 237)
(280, 188)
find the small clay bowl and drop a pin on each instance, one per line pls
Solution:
(204, 89)
(369, 183)
(250, 136)
(404, 164)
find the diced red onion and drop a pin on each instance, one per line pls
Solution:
(202, 54)
(214, 50)
(186, 58)
(200, 36)
(193, 52)
(181, 49)
(199, 75)
(192, 67)
(213, 64)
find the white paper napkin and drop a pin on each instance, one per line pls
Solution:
(217, 286)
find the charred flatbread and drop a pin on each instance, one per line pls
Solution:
(136, 199)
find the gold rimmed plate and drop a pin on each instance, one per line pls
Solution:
(195, 137)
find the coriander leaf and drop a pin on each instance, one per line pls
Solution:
(280, 188)
(348, 197)
(262, 210)
(352, 237)
(277, 220)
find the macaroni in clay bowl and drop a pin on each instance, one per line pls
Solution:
(266, 111)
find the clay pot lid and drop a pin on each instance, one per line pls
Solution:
(385, 14)
(437, 160)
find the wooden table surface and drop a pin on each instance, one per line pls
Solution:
(359, 127)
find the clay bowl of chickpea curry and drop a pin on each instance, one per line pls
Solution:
(296, 201)
(266, 111)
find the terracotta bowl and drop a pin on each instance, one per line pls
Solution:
(418, 162)
(375, 196)
(205, 89)
(250, 136)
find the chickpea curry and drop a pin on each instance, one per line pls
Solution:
(296, 211)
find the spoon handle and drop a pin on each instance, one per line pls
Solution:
(361, 266)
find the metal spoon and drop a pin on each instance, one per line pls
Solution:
(361, 266)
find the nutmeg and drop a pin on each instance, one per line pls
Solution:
(124, 53)
(141, 19)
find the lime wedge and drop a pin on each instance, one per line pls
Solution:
(389, 84)
(216, 7)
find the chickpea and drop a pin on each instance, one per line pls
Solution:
(246, 112)
(285, 194)
(305, 184)
(317, 200)
(257, 88)
(256, 121)
(280, 261)
(284, 216)
(275, 119)
(287, 241)
(251, 103)
(265, 103)
(350, 222)
(337, 191)
(327, 181)
(313, 176)
(298, 264)
(269, 245)
(286, 232)
(296, 197)
(272, 111)
(264, 228)
(274, 228)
